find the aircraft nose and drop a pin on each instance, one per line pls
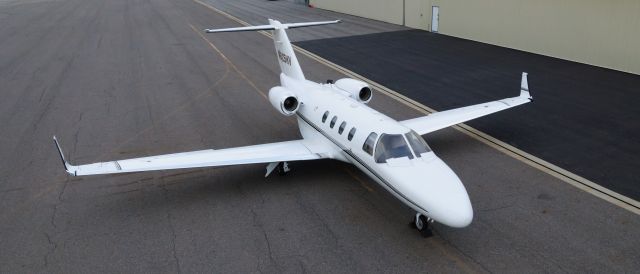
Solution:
(450, 205)
(455, 214)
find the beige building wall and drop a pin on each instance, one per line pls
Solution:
(596, 32)
(390, 11)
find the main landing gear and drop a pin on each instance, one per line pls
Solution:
(283, 168)
(421, 223)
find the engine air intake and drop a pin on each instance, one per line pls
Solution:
(285, 101)
(357, 89)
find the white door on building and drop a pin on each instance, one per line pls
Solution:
(434, 18)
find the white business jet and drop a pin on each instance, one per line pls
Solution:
(335, 123)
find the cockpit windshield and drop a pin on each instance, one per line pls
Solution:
(418, 144)
(391, 146)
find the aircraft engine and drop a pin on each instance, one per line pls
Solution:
(357, 89)
(283, 100)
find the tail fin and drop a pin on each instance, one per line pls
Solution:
(284, 51)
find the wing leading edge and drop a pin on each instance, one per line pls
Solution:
(266, 153)
(439, 120)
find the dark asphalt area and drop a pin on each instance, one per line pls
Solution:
(130, 78)
(583, 119)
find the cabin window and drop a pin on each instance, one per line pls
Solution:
(369, 143)
(351, 133)
(325, 115)
(333, 121)
(418, 144)
(391, 146)
(341, 128)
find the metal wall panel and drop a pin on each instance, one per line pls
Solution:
(601, 33)
(384, 10)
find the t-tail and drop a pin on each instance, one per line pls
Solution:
(284, 51)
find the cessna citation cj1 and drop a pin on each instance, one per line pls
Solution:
(335, 123)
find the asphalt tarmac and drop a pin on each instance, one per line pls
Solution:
(130, 78)
(584, 118)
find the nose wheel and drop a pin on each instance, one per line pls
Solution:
(421, 223)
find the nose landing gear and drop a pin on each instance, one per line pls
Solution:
(421, 223)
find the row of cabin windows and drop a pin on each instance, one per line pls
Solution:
(389, 145)
(352, 132)
(368, 144)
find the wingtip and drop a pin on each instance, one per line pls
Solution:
(524, 86)
(67, 167)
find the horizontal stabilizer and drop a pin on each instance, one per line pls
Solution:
(273, 26)
(284, 50)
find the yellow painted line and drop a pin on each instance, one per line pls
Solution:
(362, 182)
(233, 66)
(454, 255)
(542, 165)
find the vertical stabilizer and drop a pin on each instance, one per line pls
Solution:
(284, 51)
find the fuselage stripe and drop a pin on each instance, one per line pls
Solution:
(357, 159)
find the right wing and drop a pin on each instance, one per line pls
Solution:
(439, 120)
(265, 153)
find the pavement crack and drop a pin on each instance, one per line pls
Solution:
(256, 223)
(441, 236)
(54, 214)
(496, 208)
(12, 189)
(58, 203)
(312, 212)
(52, 249)
(174, 252)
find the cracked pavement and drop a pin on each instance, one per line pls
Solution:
(130, 78)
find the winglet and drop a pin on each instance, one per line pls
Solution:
(524, 87)
(67, 167)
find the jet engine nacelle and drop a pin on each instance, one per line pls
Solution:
(284, 100)
(357, 89)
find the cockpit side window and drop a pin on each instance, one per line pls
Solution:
(391, 146)
(333, 121)
(369, 143)
(418, 144)
(325, 115)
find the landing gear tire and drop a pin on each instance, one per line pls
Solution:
(421, 223)
(283, 168)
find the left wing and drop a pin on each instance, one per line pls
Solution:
(265, 153)
(443, 119)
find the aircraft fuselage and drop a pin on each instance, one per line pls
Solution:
(421, 181)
